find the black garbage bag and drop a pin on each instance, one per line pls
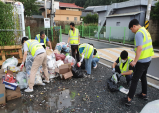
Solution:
(78, 72)
(112, 86)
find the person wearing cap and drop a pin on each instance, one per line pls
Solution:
(40, 58)
(122, 66)
(43, 39)
(86, 51)
(74, 40)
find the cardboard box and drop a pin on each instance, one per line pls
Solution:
(11, 86)
(2, 94)
(64, 71)
(10, 94)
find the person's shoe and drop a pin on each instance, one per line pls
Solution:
(126, 102)
(28, 90)
(95, 66)
(141, 96)
(46, 81)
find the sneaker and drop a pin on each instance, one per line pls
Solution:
(46, 81)
(28, 90)
(95, 66)
(141, 96)
(126, 102)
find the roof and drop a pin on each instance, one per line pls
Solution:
(125, 14)
(69, 5)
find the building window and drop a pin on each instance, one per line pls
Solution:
(67, 18)
(75, 18)
(118, 24)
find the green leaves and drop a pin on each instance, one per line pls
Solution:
(155, 12)
(90, 18)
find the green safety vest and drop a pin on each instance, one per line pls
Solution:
(147, 49)
(96, 56)
(38, 36)
(33, 46)
(87, 50)
(126, 66)
(74, 36)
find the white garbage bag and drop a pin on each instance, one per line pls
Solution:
(38, 79)
(114, 78)
(151, 107)
(21, 78)
(10, 62)
(70, 59)
(51, 61)
(12, 68)
(59, 63)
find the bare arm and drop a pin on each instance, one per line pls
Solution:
(68, 40)
(24, 56)
(50, 44)
(138, 53)
(127, 73)
(114, 64)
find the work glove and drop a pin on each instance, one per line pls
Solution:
(51, 50)
(113, 71)
(79, 64)
(22, 65)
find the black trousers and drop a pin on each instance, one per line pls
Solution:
(73, 48)
(139, 73)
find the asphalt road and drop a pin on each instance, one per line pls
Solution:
(153, 69)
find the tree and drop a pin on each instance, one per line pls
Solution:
(90, 18)
(30, 6)
(155, 12)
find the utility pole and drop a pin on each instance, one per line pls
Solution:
(52, 12)
(148, 14)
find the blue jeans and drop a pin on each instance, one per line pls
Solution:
(88, 63)
(95, 61)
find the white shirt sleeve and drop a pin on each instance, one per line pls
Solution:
(25, 47)
(82, 58)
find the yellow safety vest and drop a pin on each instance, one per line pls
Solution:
(87, 50)
(147, 48)
(38, 36)
(33, 46)
(74, 36)
(126, 66)
(96, 56)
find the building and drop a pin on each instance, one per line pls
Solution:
(63, 11)
(117, 16)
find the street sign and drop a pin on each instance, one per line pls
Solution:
(47, 22)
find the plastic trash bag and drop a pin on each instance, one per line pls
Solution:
(114, 78)
(58, 63)
(38, 79)
(60, 57)
(12, 68)
(21, 78)
(10, 62)
(112, 86)
(151, 107)
(51, 61)
(28, 63)
(70, 59)
(77, 72)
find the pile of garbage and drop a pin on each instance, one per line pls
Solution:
(59, 64)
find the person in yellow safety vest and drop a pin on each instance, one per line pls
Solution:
(74, 40)
(40, 58)
(96, 57)
(42, 38)
(122, 67)
(86, 51)
(144, 52)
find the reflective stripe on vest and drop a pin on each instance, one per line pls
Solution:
(147, 48)
(33, 46)
(87, 50)
(74, 36)
(96, 56)
(38, 36)
(126, 66)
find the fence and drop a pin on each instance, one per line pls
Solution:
(115, 34)
(54, 33)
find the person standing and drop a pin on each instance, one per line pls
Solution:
(41, 38)
(74, 40)
(144, 51)
(40, 58)
(86, 51)
(122, 67)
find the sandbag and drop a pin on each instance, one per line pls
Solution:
(21, 78)
(77, 72)
(10, 62)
